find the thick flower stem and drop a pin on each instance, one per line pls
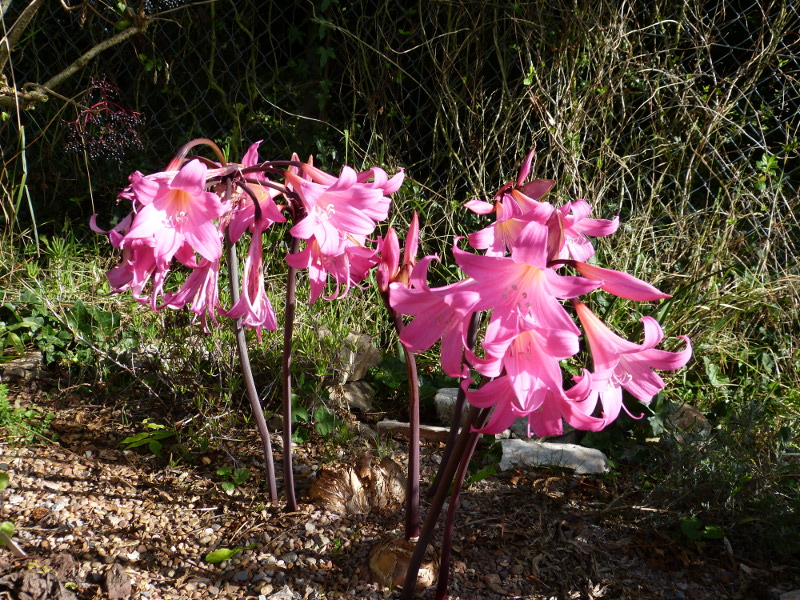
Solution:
(458, 412)
(455, 425)
(286, 373)
(412, 483)
(475, 415)
(247, 375)
(450, 519)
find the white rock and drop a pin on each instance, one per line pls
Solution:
(283, 594)
(793, 595)
(535, 453)
(358, 355)
(358, 395)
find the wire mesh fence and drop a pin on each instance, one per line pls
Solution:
(690, 103)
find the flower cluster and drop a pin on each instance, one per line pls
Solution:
(521, 279)
(186, 213)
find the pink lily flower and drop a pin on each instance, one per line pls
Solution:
(342, 207)
(389, 268)
(576, 224)
(531, 386)
(521, 289)
(439, 313)
(620, 364)
(177, 209)
(201, 289)
(515, 205)
(244, 213)
(619, 283)
(348, 267)
(253, 306)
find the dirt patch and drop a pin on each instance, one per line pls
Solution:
(107, 512)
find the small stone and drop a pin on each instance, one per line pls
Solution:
(534, 453)
(118, 583)
(241, 576)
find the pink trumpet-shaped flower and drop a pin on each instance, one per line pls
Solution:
(348, 267)
(620, 364)
(619, 283)
(389, 268)
(531, 386)
(201, 289)
(243, 214)
(576, 224)
(522, 290)
(333, 210)
(176, 209)
(515, 205)
(440, 313)
(253, 306)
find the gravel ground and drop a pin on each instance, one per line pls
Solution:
(99, 519)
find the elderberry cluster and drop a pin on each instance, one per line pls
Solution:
(154, 6)
(104, 129)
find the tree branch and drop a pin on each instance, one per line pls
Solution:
(20, 25)
(33, 93)
(81, 62)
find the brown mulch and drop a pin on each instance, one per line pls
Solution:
(90, 514)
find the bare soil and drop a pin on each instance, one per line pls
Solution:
(95, 518)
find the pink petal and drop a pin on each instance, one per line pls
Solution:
(620, 284)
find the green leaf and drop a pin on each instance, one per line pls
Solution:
(155, 447)
(224, 471)
(3, 480)
(325, 421)
(299, 413)
(300, 436)
(240, 476)
(134, 441)
(227, 486)
(221, 554)
(690, 527)
(7, 527)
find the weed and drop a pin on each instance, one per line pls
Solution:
(22, 425)
(151, 437)
(232, 478)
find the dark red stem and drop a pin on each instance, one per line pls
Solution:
(247, 372)
(475, 415)
(458, 412)
(412, 481)
(286, 372)
(450, 519)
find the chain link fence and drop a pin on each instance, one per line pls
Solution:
(690, 104)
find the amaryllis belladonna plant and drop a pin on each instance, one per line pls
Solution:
(534, 267)
(523, 290)
(192, 215)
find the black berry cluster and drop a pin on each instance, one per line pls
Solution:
(104, 129)
(155, 6)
